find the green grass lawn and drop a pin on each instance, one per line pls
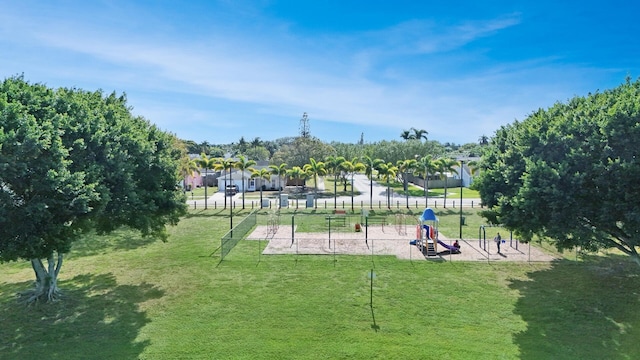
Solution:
(198, 193)
(127, 297)
(413, 190)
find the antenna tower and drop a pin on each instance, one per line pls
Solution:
(304, 126)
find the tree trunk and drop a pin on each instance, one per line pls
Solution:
(445, 192)
(206, 185)
(406, 189)
(371, 191)
(335, 191)
(315, 200)
(279, 191)
(46, 286)
(426, 189)
(243, 189)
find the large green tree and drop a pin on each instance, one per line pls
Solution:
(570, 173)
(72, 161)
(298, 151)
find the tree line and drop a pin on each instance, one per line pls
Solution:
(341, 168)
(296, 151)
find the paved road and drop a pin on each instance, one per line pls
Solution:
(362, 184)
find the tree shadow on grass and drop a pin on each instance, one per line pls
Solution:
(119, 240)
(211, 212)
(96, 318)
(585, 310)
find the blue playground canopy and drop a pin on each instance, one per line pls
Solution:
(428, 215)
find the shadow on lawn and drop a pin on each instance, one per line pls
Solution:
(584, 310)
(121, 239)
(96, 318)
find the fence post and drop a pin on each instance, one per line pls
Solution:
(366, 230)
(293, 223)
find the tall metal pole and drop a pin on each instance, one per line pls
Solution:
(461, 187)
(230, 204)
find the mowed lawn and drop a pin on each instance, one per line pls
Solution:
(127, 297)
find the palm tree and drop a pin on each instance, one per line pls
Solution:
(315, 168)
(404, 167)
(279, 170)
(474, 167)
(406, 135)
(352, 167)
(299, 174)
(243, 164)
(444, 166)
(206, 163)
(188, 167)
(388, 171)
(222, 165)
(483, 140)
(333, 164)
(370, 165)
(262, 174)
(419, 134)
(426, 166)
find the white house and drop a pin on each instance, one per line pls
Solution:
(251, 184)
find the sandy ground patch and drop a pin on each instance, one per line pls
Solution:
(388, 241)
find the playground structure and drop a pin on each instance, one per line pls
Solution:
(427, 235)
(312, 234)
(273, 223)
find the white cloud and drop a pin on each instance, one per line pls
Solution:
(362, 78)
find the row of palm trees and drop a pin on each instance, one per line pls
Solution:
(338, 166)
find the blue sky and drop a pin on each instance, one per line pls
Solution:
(218, 70)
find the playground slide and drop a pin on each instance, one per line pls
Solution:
(453, 249)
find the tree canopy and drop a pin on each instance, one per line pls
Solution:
(570, 173)
(73, 161)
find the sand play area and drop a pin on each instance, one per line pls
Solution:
(388, 240)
